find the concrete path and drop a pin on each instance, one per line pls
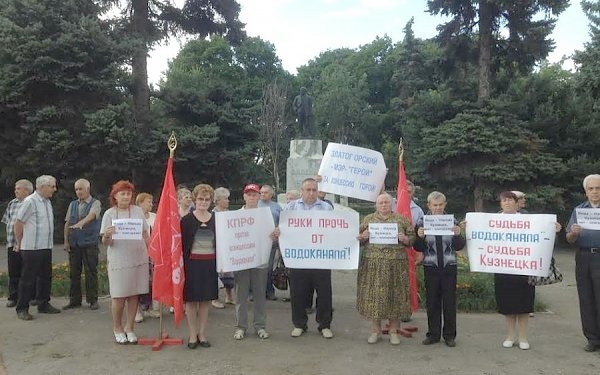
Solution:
(81, 342)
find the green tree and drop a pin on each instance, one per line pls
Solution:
(526, 44)
(150, 21)
(58, 64)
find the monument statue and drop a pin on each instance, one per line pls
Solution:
(303, 107)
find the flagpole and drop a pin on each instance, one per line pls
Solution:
(163, 337)
(172, 146)
(406, 330)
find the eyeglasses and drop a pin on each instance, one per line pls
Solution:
(204, 199)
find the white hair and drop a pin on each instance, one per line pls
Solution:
(590, 177)
(44, 180)
(435, 195)
(221, 193)
(519, 194)
(26, 184)
(86, 183)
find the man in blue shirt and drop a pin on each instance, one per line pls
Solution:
(587, 265)
(303, 280)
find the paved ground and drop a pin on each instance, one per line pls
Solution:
(81, 341)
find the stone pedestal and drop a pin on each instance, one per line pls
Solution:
(304, 161)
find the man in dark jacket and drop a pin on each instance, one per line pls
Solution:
(439, 265)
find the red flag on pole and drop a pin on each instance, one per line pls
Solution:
(165, 249)
(403, 208)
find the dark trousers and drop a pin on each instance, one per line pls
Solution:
(270, 287)
(15, 263)
(440, 285)
(301, 283)
(37, 265)
(587, 275)
(83, 258)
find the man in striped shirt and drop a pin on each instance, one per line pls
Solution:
(22, 189)
(34, 230)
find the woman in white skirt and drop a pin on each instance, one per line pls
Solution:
(127, 259)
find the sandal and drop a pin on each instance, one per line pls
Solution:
(120, 338)
(263, 334)
(131, 337)
(239, 334)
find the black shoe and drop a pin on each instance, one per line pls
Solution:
(94, 306)
(71, 306)
(11, 303)
(271, 297)
(192, 345)
(47, 309)
(589, 347)
(429, 341)
(204, 344)
(450, 343)
(24, 315)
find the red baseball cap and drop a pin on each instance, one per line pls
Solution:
(252, 187)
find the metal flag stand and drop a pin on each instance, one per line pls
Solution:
(163, 337)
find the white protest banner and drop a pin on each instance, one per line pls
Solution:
(319, 239)
(438, 225)
(588, 218)
(243, 238)
(513, 244)
(352, 172)
(127, 229)
(383, 233)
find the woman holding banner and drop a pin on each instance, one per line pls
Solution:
(514, 296)
(383, 289)
(200, 265)
(127, 259)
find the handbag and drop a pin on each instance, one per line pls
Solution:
(279, 277)
(553, 277)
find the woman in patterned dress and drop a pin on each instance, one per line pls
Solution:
(383, 288)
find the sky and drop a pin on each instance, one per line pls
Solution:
(302, 29)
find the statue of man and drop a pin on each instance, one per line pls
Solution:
(303, 107)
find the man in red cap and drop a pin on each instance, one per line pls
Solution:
(255, 278)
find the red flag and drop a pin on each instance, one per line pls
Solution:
(403, 208)
(166, 251)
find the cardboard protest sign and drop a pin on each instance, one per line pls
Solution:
(128, 229)
(319, 239)
(438, 225)
(243, 238)
(383, 233)
(352, 172)
(512, 244)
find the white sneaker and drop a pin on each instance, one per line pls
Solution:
(508, 343)
(297, 332)
(139, 317)
(326, 332)
(263, 334)
(524, 345)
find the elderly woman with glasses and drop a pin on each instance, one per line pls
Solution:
(200, 264)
